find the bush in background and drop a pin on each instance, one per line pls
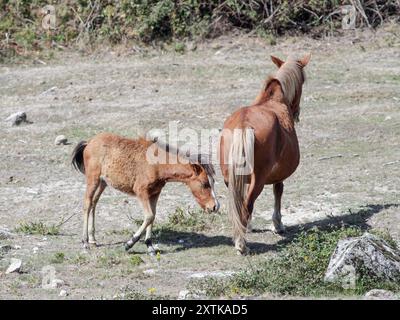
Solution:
(96, 21)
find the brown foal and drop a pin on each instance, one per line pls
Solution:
(259, 145)
(122, 163)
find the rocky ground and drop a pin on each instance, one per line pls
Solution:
(349, 135)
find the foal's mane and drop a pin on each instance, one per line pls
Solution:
(200, 159)
(291, 77)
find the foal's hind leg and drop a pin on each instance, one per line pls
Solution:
(91, 187)
(276, 217)
(147, 240)
(148, 219)
(92, 213)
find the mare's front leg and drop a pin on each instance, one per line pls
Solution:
(149, 215)
(277, 217)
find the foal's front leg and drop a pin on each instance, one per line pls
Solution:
(149, 206)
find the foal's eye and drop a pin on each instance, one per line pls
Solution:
(206, 185)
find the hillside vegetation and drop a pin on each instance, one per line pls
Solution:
(28, 25)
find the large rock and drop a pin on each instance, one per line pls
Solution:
(366, 254)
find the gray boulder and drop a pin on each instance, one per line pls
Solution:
(366, 254)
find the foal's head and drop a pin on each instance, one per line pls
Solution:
(291, 76)
(201, 183)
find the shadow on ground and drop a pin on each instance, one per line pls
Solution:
(197, 240)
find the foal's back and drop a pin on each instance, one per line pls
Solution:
(117, 160)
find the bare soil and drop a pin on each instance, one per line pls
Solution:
(349, 135)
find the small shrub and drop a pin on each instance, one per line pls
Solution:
(58, 257)
(180, 47)
(196, 220)
(38, 228)
(135, 260)
(80, 259)
(109, 259)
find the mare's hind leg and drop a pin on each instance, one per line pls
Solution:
(240, 243)
(92, 213)
(276, 217)
(148, 219)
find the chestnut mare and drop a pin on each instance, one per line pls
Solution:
(259, 145)
(122, 163)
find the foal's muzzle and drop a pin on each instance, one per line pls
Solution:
(215, 208)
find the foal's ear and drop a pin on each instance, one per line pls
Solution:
(278, 62)
(305, 60)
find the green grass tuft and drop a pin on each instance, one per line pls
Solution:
(39, 228)
(59, 257)
(135, 260)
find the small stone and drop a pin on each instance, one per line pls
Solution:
(57, 283)
(17, 118)
(187, 295)
(5, 249)
(35, 249)
(63, 293)
(60, 140)
(17, 247)
(379, 294)
(213, 274)
(149, 272)
(5, 234)
(191, 46)
(15, 266)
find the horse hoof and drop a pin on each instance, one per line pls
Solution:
(128, 245)
(93, 244)
(151, 253)
(280, 230)
(85, 245)
(131, 242)
(242, 252)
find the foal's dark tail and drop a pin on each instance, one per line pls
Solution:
(77, 157)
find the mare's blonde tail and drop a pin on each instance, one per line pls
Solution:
(241, 160)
